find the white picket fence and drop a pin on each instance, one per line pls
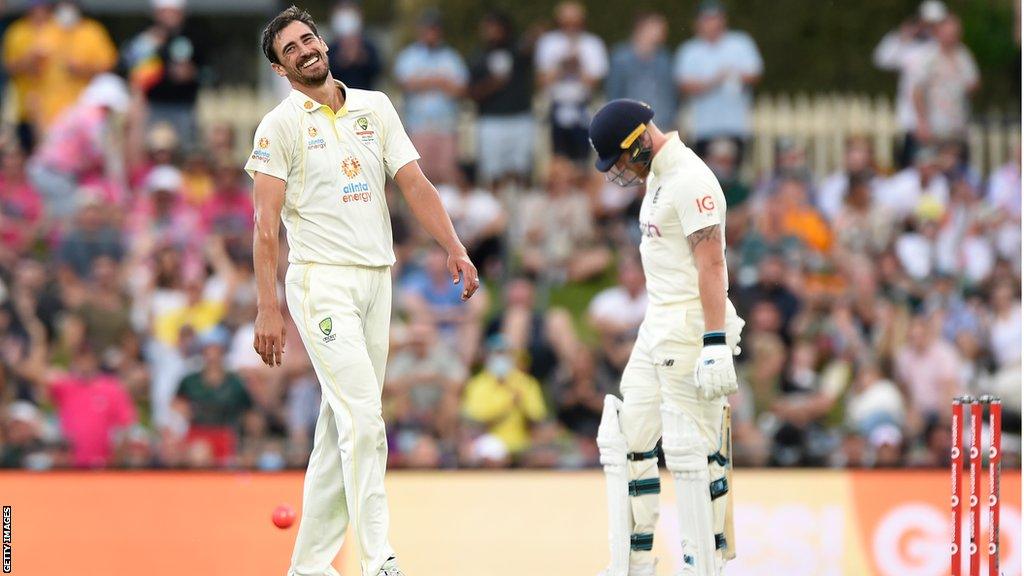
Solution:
(821, 122)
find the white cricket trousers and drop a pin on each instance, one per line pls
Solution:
(660, 371)
(343, 314)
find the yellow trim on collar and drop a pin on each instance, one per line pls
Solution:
(625, 144)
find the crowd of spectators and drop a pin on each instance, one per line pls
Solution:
(127, 295)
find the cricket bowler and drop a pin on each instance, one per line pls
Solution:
(319, 163)
(681, 369)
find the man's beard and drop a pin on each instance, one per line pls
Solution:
(316, 79)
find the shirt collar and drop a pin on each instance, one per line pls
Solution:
(668, 155)
(353, 100)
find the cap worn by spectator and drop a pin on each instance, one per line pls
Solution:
(169, 4)
(885, 435)
(710, 8)
(164, 179)
(23, 411)
(932, 11)
(925, 155)
(109, 91)
(497, 343)
(615, 127)
(431, 18)
(216, 336)
(489, 447)
(162, 137)
(722, 147)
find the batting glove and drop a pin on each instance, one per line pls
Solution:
(715, 374)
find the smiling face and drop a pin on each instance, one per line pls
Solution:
(302, 55)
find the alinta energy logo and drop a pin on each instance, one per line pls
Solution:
(261, 153)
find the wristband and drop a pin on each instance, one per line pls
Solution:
(714, 338)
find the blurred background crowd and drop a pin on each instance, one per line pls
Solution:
(872, 294)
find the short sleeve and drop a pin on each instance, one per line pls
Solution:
(684, 68)
(398, 149)
(595, 57)
(459, 71)
(697, 207)
(970, 71)
(749, 59)
(546, 59)
(58, 390)
(123, 409)
(404, 68)
(271, 149)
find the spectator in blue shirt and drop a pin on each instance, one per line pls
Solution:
(433, 77)
(354, 58)
(716, 71)
(641, 69)
(429, 296)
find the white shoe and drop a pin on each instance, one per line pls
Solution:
(390, 568)
(636, 569)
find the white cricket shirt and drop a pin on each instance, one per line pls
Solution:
(334, 166)
(682, 196)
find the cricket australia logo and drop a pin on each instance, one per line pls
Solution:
(363, 131)
(326, 325)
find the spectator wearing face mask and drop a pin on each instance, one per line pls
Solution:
(504, 399)
(52, 53)
(354, 58)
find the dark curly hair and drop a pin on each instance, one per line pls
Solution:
(280, 22)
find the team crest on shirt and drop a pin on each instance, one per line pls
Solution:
(351, 167)
(312, 132)
(326, 325)
(264, 143)
(363, 131)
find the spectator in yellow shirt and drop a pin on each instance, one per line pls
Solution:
(504, 399)
(51, 54)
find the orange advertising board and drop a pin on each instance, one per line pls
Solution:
(798, 523)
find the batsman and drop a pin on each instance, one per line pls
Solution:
(681, 369)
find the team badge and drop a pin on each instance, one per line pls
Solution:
(326, 325)
(351, 167)
(312, 132)
(363, 123)
(264, 143)
(308, 105)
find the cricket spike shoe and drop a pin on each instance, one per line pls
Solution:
(390, 568)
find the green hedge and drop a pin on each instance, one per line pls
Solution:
(808, 45)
